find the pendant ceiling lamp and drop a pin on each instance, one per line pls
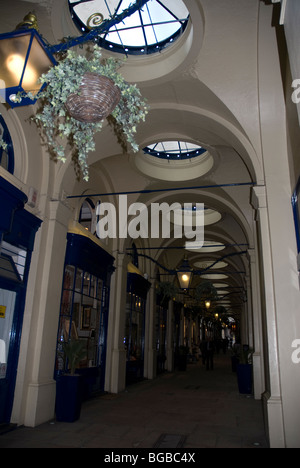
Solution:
(185, 274)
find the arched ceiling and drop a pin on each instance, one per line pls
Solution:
(192, 88)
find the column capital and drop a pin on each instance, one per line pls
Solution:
(259, 197)
(252, 255)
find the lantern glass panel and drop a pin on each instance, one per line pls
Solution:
(13, 52)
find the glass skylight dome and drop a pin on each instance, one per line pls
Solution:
(155, 26)
(174, 150)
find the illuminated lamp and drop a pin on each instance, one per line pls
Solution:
(184, 275)
(24, 57)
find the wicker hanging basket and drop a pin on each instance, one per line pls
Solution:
(98, 96)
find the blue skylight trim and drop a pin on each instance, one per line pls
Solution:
(174, 151)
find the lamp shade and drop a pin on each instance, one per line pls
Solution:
(23, 59)
(184, 275)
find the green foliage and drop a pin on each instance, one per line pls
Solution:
(3, 145)
(65, 79)
(74, 351)
(206, 291)
(166, 290)
(245, 356)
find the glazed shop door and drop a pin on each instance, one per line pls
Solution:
(7, 308)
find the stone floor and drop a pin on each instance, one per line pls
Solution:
(186, 410)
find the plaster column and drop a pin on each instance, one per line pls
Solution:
(249, 311)
(244, 326)
(115, 379)
(272, 398)
(170, 344)
(255, 294)
(182, 328)
(278, 242)
(150, 348)
(36, 387)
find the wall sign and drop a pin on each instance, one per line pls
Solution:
(2, 311)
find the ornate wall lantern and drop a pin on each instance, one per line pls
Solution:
(24, 57)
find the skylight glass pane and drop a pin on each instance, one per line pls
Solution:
(164, 31)
(177, 8)
(139, 39)
(150, 35)
(114, 37)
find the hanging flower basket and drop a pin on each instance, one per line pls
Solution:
(80, 93)
(97, 98)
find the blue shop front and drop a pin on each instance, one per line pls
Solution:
(18, 228)
(84, 309)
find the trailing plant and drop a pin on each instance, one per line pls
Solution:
(206, 291)
(245, 356)
(3, 145)
(166, 290)
(64, 79)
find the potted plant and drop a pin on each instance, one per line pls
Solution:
(69, 384)
(80, 93)
(244, 370)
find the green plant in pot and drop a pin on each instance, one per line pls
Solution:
(69, 385)
(74, 352)
(80, 93)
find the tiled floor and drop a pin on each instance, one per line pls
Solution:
(193, 409)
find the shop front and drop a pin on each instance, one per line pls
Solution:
(18, 228)
(84, 309)
(134, 340)
(161, 335)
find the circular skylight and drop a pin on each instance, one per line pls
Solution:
(152, 28)
(174, 150)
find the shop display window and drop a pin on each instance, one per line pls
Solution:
(135, 327)
(82, 315)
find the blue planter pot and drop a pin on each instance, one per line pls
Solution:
(69, 390)
(244, 376)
